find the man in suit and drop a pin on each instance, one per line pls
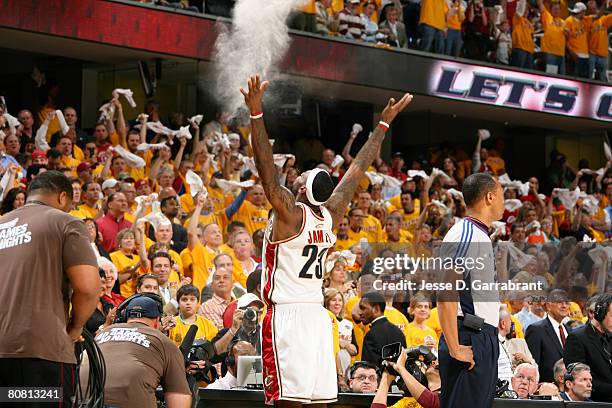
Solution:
(382, 332)
(546, 338)
(395, 30)
(578, 383)
(591, 344)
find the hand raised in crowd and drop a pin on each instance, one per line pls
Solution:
(185, 281)
(142, 118)
(393, 108)
(50, 117)
(110, 317)
(256, 89)
(183, 141)
(167, 322)
(201, 199)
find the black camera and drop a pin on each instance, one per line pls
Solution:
(250, 315)
(389, 354)
(203, 350)
(415, 358)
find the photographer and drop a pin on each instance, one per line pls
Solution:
(245, 325)
(413, 387)
(139, 357)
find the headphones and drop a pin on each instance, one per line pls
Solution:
(230, 360)
(569, 374)
(601, 308)
(122, 314)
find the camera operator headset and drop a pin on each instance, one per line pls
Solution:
(236, 348)
(139, 357)
(415, 389)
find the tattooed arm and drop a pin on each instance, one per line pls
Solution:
(343, 193)
(288, 214)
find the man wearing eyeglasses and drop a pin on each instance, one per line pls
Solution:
(363, 377)
(525, 380)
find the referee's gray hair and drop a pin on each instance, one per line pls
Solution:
(527, 365)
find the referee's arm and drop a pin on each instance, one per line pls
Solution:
(447, 312)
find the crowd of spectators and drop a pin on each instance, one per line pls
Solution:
(174, 207)
(555, 36)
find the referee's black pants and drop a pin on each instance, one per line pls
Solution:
(475, 388)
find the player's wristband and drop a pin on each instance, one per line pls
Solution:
(383, 125)
(257, 115)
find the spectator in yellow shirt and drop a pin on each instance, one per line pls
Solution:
(522, 37)
(356, 231)
(419, 333)
(254, 211)
(598, 26)
(371, 225)
(304, 18)
(342, 239)
(577, 44)
(553, 41)
(454, 19)
(433, 24)
(188, 298)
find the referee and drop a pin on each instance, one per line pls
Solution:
(469, 346)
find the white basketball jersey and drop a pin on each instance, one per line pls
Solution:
(292, 269)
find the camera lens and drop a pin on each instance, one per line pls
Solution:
(249, 315)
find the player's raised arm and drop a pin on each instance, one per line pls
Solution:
(282, 200)
(343, 193)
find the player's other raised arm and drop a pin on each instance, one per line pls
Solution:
(343, 193)
(282, 200)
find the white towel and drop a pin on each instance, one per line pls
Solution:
(40, 140)
(62, 121)
(132, 159)
(143, 147)
(229, 185)
(196, 185)
(197, 119)
(512, 204)
(357, 128)
(568, 198)
(128, 95)
(607, 151)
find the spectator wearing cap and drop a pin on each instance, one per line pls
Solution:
(577, 43)
(397, 166)
(39, 157)
(142, 187)
(432, 22)
(349, 21)
(553, 41)
(84, 172)
(522, 37)
(109, 186)
(114, 221)
(598, 26)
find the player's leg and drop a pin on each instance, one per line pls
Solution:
(287, 404)
(326, 384)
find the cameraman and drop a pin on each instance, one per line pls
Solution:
(139, 357)
(242, 329)
(418, 392)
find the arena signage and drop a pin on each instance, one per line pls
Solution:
(521, 90)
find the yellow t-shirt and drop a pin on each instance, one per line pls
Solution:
(454, 22)
(406, 402)
(345, 244)
(54, 125)
(176, 258)
(433, 14)
(71, 163)
(598, 34)
(85, 211)
(206, 330)
(434, 322)
(200, 259)
(553, 41)
(308, 7)
(356, 236)
(416, 336)
(522, 34)
(373, 229)
(122, 261)
(335, 334)
(518, 327)
(577, 35)
(253, 217)
(397, 318)
(78, 153)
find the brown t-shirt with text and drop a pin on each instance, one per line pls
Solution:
(138, 358)
(37, 244)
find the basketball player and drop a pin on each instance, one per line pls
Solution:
(297, 346)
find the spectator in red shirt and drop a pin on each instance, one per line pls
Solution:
(113, 221)
(397, 165)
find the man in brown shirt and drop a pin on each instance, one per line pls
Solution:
(138, 358)
(46, 264)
